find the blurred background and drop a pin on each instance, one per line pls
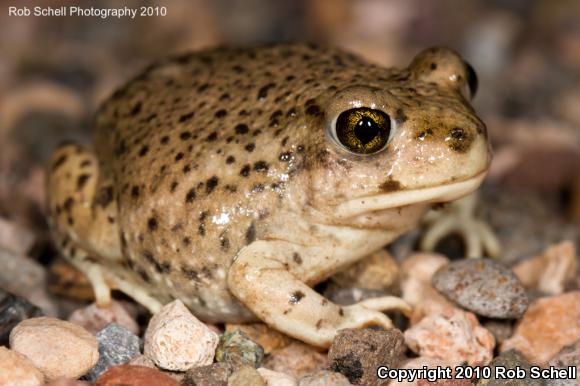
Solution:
(55, 71)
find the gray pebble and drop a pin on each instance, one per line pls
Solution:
(117, 346)
(568, 356)
(482, 286)
(13, 310)
(238, 349)
(216, 374)
(510, 360)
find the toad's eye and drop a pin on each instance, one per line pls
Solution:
(363, 130)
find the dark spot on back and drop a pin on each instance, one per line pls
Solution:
(186, 117)
(245, 171)
(59, 161)
(263, 92)
(82, 180)
(185, 135)
(190, 196)
(251, 233)
(212, 137)
(250, 147)
(135, 191)
(390, 185)
(261, 166)
(105, 196)
(136, 109)
(230, 160)
(242, 129)
(221, 113)
(152, 224)
(211, 184)
(143, 151)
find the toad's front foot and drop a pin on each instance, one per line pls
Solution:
(459, 218)
(264, 281)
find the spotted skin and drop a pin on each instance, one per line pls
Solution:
(206, 155)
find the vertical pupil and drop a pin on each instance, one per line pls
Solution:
(365, 130)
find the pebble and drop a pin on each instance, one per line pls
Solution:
(296, 359)
(551, 271)
(216, 374)
(501, 329)
(417, 271)
(142, 360)
(15, 237)
(95, 318)
(176, 340)
(20, 275)
(127, 375)
(357, 353)
(18, 370)
(238, 349)
(246, 375)
(549, 324)
(567, 357)
(56, 347)
(260, 333)
(378, 271)
(275, 378)
(117, 346)
(510, 360)
(13, 310)
(482, 286)
(454, 336)
(325, 378)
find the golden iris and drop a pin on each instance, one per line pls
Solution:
(363, 130)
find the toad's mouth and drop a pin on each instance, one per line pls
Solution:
(438, 194)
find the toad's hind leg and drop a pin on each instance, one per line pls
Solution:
(82, 214)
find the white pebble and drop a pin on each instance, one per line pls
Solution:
(274, 378)
(176, 340)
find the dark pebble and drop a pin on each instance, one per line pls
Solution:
(482, 286)
(13, 310)
(117, 346)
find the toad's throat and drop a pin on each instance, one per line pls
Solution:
(438, 194)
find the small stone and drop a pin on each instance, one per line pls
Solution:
(246, 375)
(568, 357)
(549, 324)
(483, 286)
(117, 346)
(15, 237)
(18, 370)
(176, 340)
(127, 375)
(260, 333)
(20, 275)
(13, 310)
(501, 329)
(325, 378)
(454, 336)
(378, 271)
(238, 349)
(510, 360)
(57, 348)
(357, 353)
(551, 271)
(216, 374)
(417, 271)
(95, 318)
(296, 359)
(274, 378)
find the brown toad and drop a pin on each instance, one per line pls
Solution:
(236, 179)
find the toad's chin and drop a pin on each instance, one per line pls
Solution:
(432, 195)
